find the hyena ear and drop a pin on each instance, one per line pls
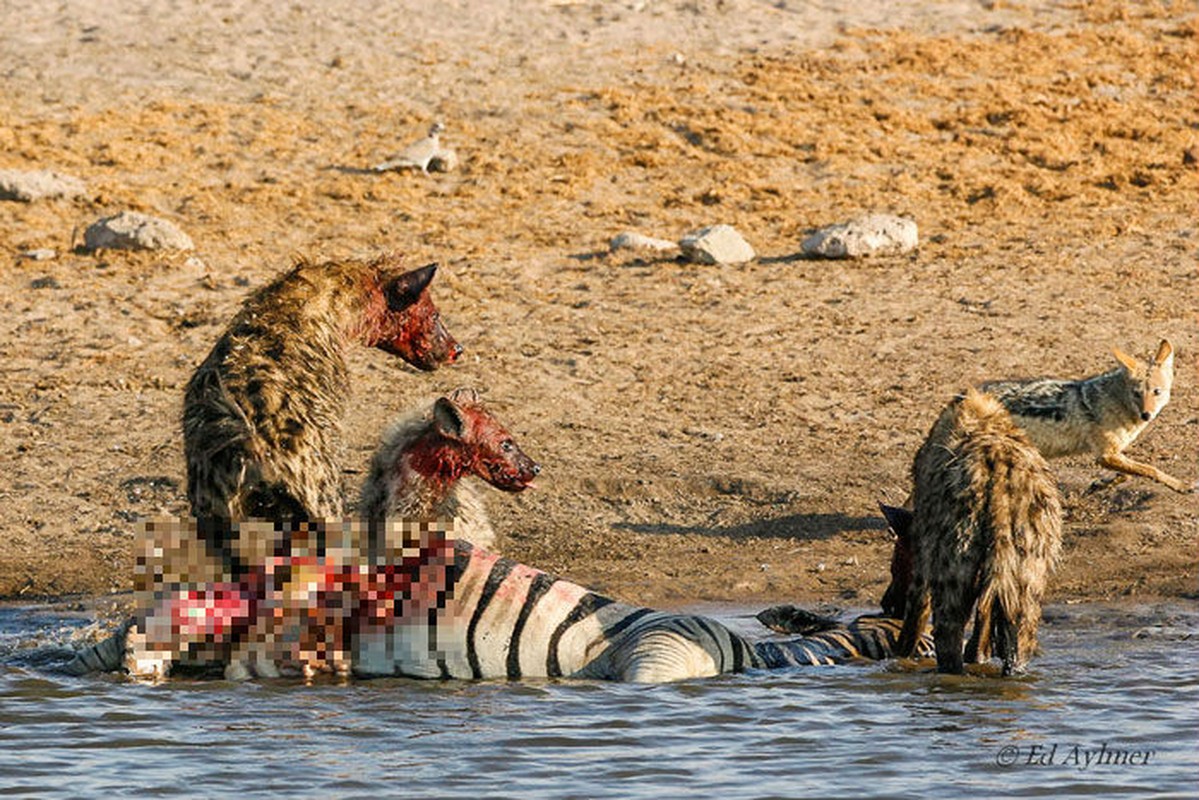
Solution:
(1128, 362)
(465, 396)
(403, 290)
(898, 519)
(448, 419)
(1165, 354)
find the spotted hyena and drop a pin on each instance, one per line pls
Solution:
(262, 413)
(985, 533)
(415, 474)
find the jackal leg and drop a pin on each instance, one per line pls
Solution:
(1122, 463)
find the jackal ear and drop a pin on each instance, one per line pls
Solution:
(448, 419)
(1128, 362)
(403, 290)
(1165, 354)
(898, 519)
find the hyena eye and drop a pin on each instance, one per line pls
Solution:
(1157, 392)
(506, 445)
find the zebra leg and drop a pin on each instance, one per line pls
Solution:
(105, 656)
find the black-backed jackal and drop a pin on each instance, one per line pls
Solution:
(1101, 415)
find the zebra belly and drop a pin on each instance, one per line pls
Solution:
(662, 647)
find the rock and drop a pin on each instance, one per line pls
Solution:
(41, 254)
(131, 230)
(874, 234)
(39, 185)
(716, 244)
(636, 241)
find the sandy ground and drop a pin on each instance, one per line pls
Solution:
(708, 433)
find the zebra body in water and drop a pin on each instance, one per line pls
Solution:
(506, 620)
(471, 614)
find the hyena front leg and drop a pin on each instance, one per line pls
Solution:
(1122, 463)
(915, 620)
(949, 628)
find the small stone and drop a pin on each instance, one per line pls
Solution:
(874, 234)
(41, 254)
(636, 241)
(716, 244)
(1190, 156)
(45, 282)
(38, 185)
(131, 230)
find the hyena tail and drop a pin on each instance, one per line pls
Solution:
(1002, 603)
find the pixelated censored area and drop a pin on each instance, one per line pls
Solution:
(289, 594)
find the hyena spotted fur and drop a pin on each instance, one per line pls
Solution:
(1101, 415)
(985, 534)
(262, 413)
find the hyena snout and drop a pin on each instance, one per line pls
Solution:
(514, 473)
(423, 340)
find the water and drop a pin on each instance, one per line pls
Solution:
(1120, 678)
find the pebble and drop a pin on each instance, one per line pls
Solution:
(131, 230)
(636, 241)
(716, 244)
(874, 234)
(42, 254)
(38, 185)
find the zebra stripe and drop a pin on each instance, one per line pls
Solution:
(626, 622)
(589, 604)
(706, 628)
(499, 573)
(537, 590)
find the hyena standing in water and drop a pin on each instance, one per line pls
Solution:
(986, 532)
(262, 413)
(1101, 415)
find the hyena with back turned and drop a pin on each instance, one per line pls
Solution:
(986, 532)
(262, 414)
(1101, 415)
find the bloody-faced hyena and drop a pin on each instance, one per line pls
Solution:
(417, 471)
(985, 532)
(262, 413)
